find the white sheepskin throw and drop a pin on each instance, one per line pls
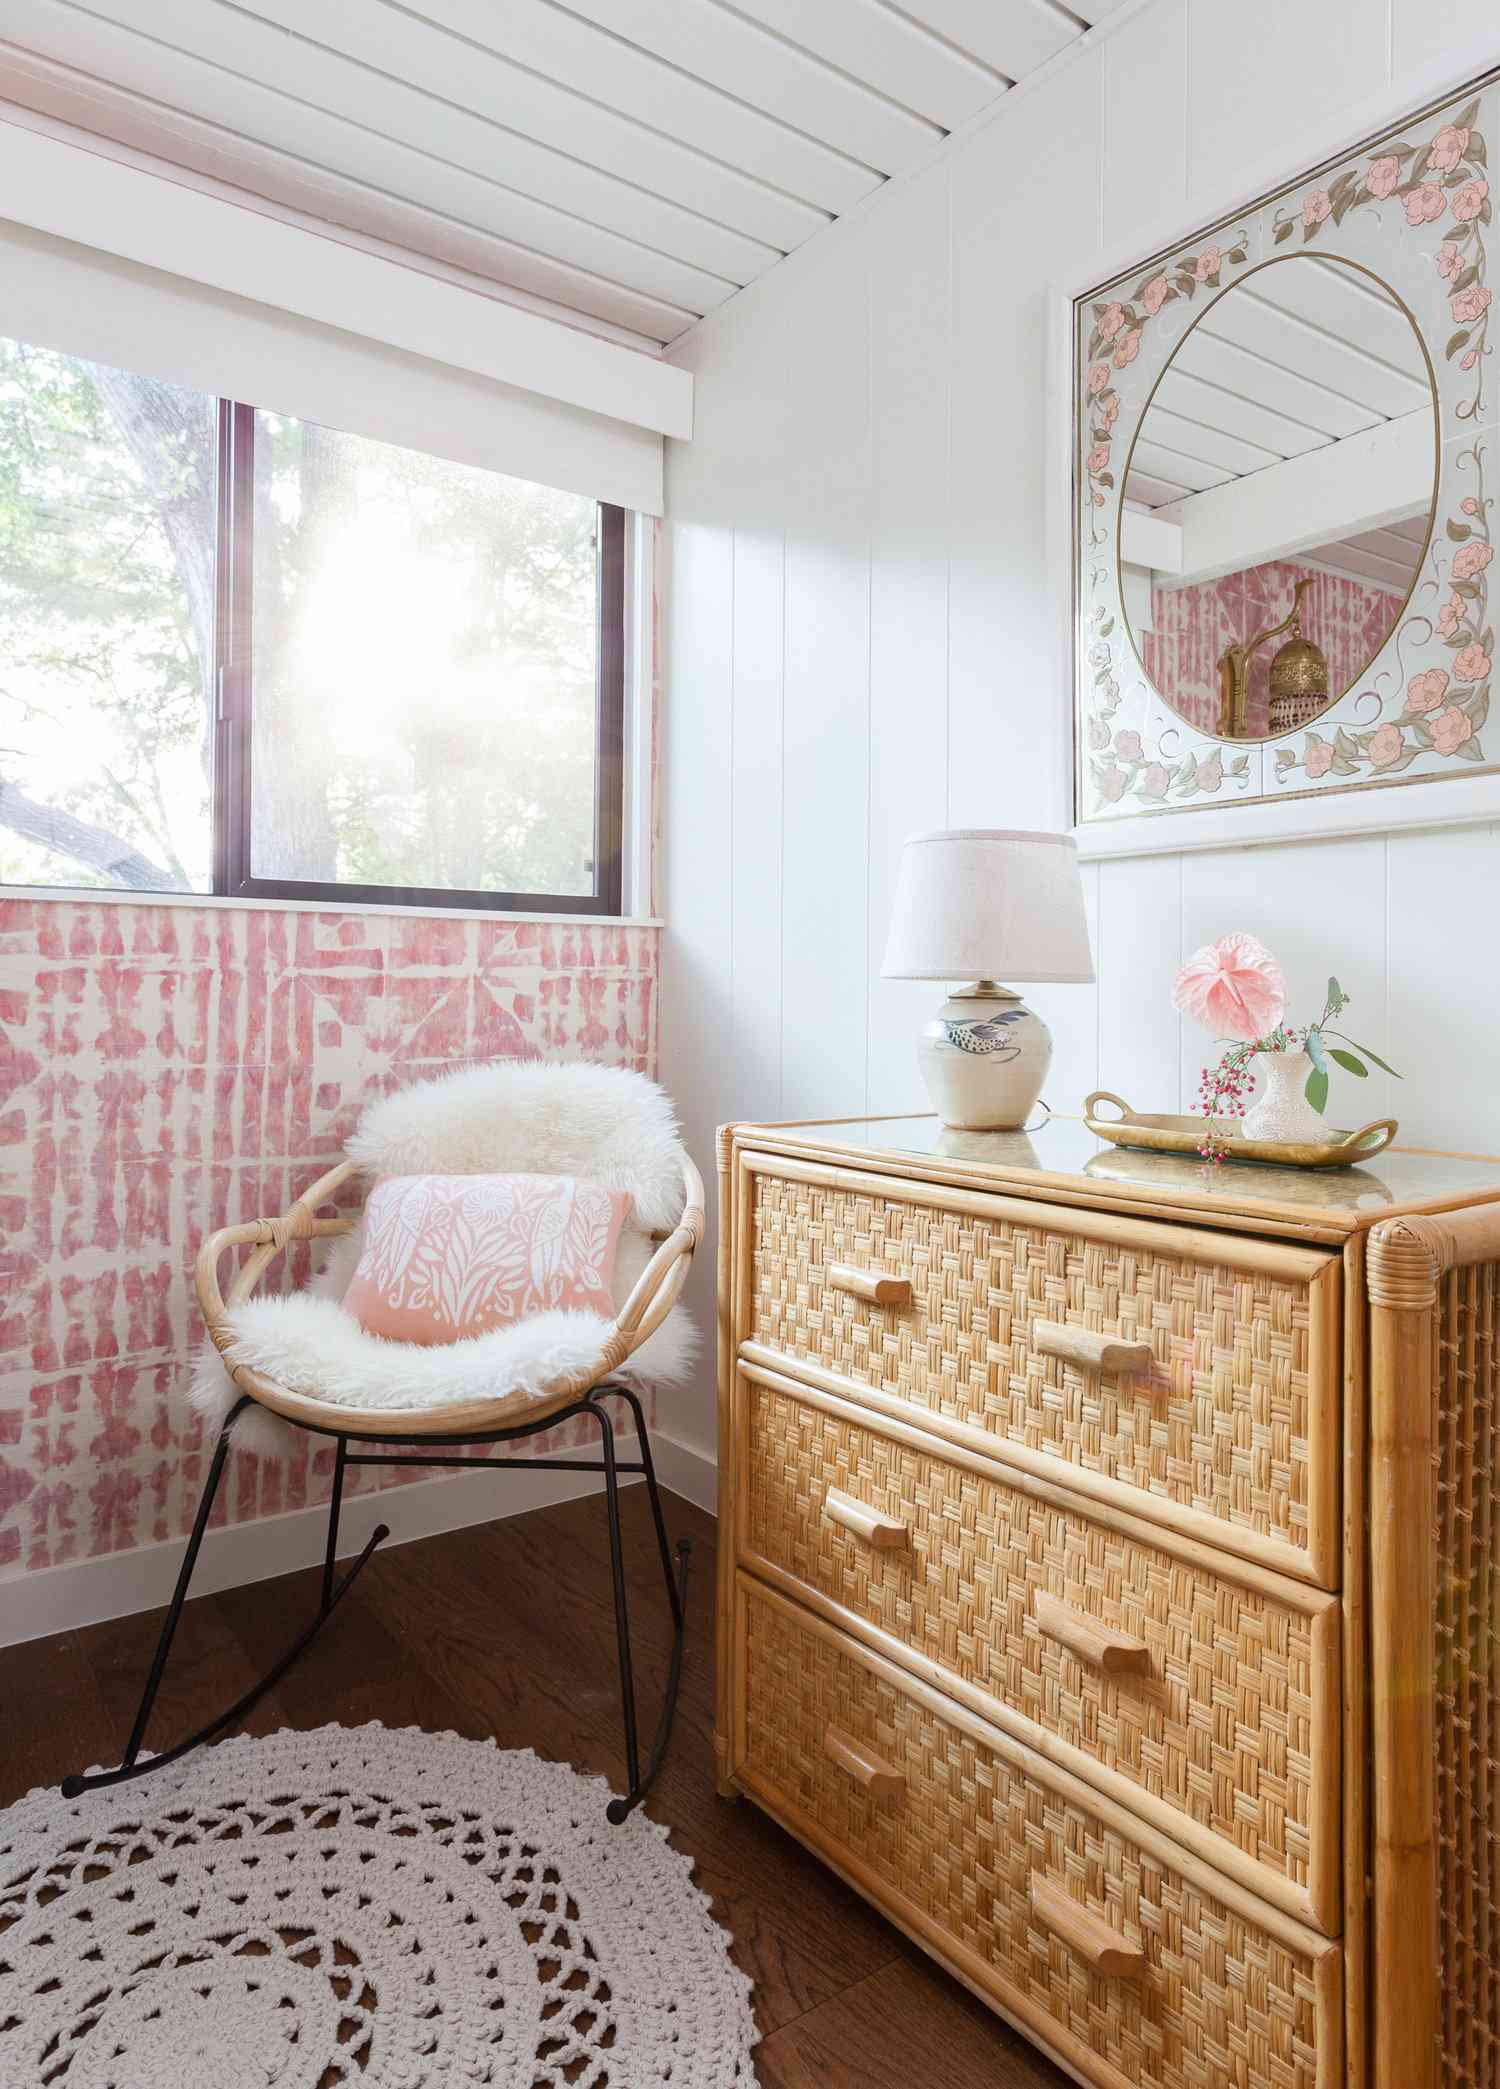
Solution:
(603, 1124)
(525, 1117)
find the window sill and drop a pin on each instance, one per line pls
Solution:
(82, 895)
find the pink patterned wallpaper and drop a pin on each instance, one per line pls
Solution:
(1346, 617)
(165, 1070)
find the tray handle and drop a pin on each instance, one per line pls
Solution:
(1107, 1095)
(1387, 1125)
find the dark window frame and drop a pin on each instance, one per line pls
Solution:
(234, 696)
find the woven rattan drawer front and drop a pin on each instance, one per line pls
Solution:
(1204, 1695)
(965, 1838)
(1231, 1435)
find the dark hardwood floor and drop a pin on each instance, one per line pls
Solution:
(508, 1629)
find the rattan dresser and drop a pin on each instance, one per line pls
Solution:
(1107, 1584)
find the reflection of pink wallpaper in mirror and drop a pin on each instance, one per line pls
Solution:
(1349, 618)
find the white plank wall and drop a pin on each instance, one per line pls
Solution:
(858, 623)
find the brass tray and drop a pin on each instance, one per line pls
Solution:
(1156, 1134)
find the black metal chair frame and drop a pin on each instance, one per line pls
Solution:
(134, 1764)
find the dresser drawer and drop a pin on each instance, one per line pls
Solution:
(1131, 1961)
(1198, 1370)
(1200, 1693)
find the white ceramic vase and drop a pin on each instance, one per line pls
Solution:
(1282, 1110)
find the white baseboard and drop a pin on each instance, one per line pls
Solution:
(687, 1471)
(85, 1592)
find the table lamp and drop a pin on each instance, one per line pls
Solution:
(979, 904)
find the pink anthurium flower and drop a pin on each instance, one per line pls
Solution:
(1233, 987)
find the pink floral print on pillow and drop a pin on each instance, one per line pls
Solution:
(449, 1256)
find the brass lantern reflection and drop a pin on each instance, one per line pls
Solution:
(1299, 676)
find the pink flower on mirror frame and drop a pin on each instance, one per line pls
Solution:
(1471, 558)
(1233, 987)
(1447, 149)
(1382, 175)
(1425, 203)
(1472, 664)
(1386, 746)
(1469, 305)
(1450, 730)
(1319, 758)
(1425, 692)
(1468, 201)
(1449, 261)
(1154, 294)
(1315, 207)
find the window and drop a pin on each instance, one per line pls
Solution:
(247, 655)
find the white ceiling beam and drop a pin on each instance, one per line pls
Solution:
(45, 94)
(1145, 540)
(1360, 484)
(86, 197)
(379, 154)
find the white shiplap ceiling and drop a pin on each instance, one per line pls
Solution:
(633, 161)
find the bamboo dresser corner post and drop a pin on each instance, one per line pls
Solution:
(1403, 1272)
(724, 1707)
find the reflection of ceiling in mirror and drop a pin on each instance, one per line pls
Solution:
(1301, 354)
(1305, 363)
(1298, 357)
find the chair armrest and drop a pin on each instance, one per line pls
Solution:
(268, 1237)
(660, 1283)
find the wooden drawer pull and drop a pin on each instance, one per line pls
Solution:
(882, 1780)
(871, 1284)
(1086, 1933)
(1114, 1653)
(884, 1533)
(1076, 1345)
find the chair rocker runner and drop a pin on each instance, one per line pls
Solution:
(433, 1436)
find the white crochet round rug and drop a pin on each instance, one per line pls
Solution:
(358, 1906)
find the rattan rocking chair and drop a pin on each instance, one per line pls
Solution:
(439, 1431)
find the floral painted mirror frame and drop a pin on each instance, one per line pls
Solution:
(1413, 206)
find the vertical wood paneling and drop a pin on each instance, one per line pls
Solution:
(826, 745)
(754, 1042)
(1465, 31)
(909, 357)
(1137, 949)
(1284, 74)
(1071, 1013)
(1445, 989)
(1025, 201)
(696, 877)
(1145, 118)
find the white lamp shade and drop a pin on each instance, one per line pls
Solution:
(975, 903)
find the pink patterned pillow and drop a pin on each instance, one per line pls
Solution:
(447, 1256)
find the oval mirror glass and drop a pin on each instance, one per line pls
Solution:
(1278, 497)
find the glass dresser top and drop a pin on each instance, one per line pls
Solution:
(1064, 1149)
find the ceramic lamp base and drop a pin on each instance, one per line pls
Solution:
(984, 1057)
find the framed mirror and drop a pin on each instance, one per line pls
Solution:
(1284, 443)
